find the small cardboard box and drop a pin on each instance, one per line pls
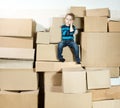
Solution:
(99, 78)
(114, 26)
(47, 52)
(25, 99)
(17, 27)
(78, 11)
(43, 38)
(12, 42)
(104, 12)
(107, 104)
(67, 100)
(95, 24)
(18, 79)
(74, 80)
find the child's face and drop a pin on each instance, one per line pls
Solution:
(68, 20)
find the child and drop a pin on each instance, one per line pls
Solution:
(68, 30)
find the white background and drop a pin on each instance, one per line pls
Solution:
(42, 11)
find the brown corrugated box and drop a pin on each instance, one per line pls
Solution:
(12, 42)
(107, 104)
(114, 26)
(17, 53)
(99, 78)
(62, 100)
(95, 24)
(100, 49)
(53, 66)
(25, 99)
(17, 27)
(98, 12)
(43, 38)
(78, 11)
(18, 79)
(74, 80)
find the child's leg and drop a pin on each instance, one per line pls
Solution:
(75, 47)
(61, 45)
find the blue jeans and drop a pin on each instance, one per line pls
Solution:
(70, 44)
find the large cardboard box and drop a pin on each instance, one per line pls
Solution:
(17, 27)
(18, 79)
(67, 100)
(53, 80)
(114, 26)
(47, 52)
(25, 99)
(74, 80)
(99, 78)
(53, 66)
(100, 49)
(107, 104)
(43, 38)
(59, 21)
(78, 11)
(95, 24)
(105, 12)
(16, 64)
(12, 42)
(106, 94)
(17, 53)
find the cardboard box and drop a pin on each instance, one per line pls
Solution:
(100, 49)
(16, 64)
(78, 11)
(12, 42)
(95, 24)
(74, 80)
(106, 94)
(47, 52)
(25, 99)
(67, 100)
(114, 26)
(17, 27)
(17, 53)
(107, 104)
(104, 12)
(55, 34)
(53, 66)
(59, 21)
(114, 71)
(52, 80)
(43, 38)
(18, 79)
(97, 79)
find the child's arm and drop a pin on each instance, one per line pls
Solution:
(71, 27)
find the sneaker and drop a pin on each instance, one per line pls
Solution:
(78, 62)
(62, 60)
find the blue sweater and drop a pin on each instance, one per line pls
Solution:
(66, 34)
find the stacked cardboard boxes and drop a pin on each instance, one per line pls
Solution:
(101, 53)
(18, 81)
(56, 79)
